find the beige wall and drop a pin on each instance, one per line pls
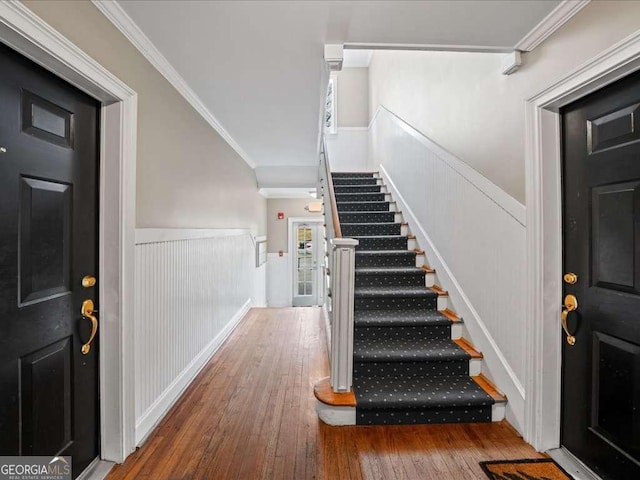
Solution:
(462, 102)
(187, 175)
(277, 229)
(353, 97)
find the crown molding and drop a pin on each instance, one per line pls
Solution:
(123, 22)
(549, 24)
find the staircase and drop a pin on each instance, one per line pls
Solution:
(411, 365)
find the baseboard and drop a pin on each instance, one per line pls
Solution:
(156, 412)
(500, 371)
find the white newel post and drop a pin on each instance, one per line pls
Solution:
(342, 292)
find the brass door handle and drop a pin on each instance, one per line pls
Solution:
(88, 312)
(570, 304)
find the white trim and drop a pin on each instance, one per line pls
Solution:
(502, 367)
(430, 47)
(352, 129)
(544, 236)
(157, 411)
(288, 192)
(549, 24)
(25, 32)
(486, 186)
(123, 22)
(156, 235)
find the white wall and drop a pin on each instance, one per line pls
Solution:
(353, 97)
(462, 102)
(192, 288)
(348, 150)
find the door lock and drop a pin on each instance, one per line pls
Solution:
(570, 304)
(570, 278)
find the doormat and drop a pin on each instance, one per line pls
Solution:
(527, 469)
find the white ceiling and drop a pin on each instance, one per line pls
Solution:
(257, 66)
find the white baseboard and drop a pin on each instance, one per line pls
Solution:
(156, 412)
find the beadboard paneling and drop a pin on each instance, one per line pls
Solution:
(473, 235)
(190, 293)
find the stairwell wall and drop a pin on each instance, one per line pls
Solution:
(464, 103)
(452, 152)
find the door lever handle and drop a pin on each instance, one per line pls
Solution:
(88, 312)
(570, 304)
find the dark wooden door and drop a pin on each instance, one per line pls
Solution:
(48, 243)
(601, 235)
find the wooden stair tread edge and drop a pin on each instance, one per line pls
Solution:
(451, 315)
(489, 388)
(418, 251)
(427, 269)
(439, 290)
(467, 347)
(322, 391)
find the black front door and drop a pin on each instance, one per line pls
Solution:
(48, 244)
(601, 235)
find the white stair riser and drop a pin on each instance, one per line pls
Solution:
(344, 416)
(430, 279)
(456, 330)
(443, 302)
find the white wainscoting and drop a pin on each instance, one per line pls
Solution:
(278, 280)
(473, 234)
(192, 289)
(349, 149)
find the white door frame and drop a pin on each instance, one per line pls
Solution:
(544, 233)
(292, 253)
(26, 33)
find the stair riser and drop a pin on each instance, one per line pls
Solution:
(406, 303)
(357, 189)
(425, 333)
(363, 207)
(408, 260)
(371, 217)
(423, 416)
(410, 369)
(374, 243)
(414, 279)
(362, 197)
(356, 181)
(370, 229)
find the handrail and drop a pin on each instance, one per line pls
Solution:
(332, 195)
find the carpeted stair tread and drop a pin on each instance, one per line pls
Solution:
(383, 349)
(388, 270)
(425, 392)
(400, 291)
(395, 318)
(352, 174)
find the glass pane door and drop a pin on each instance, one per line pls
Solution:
(305, 264)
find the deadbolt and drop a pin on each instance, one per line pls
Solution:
(570, 278)
(88, 281)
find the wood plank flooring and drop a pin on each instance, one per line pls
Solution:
(250, 414)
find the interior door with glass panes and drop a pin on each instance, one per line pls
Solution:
(305, 254)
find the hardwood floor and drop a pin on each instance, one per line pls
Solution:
(251, 414)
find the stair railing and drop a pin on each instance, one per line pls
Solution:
(340, 277)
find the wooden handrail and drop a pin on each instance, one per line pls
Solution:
(332, 196)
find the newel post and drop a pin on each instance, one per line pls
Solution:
(342, 293)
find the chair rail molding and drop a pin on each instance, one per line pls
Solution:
(544, 235)
(25, 32)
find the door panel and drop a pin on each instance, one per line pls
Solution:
(48, 242)
(601, 235)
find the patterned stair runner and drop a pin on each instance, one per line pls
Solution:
(407, 369)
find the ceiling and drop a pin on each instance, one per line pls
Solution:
(257, 66)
